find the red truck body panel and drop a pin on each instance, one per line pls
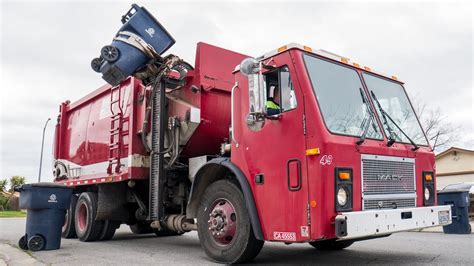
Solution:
(83, 131)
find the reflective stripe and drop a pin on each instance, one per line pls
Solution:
(272, 105)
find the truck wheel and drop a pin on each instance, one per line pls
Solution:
(69, 230)
(87, 228)
(224, 227)
(331, 244)
(109, 229)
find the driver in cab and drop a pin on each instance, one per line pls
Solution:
(273, 100)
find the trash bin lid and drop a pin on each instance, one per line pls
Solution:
(461, 187)
(47, 184)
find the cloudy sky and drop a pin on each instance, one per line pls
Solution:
(46, 48)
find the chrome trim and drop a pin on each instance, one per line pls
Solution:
(387, 158)
(390, 196)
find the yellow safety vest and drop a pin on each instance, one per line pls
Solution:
(272, 105)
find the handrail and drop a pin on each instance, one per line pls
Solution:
(236, 85)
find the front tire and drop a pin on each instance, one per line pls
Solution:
(331, 244)
(224, 227)
(87, 227)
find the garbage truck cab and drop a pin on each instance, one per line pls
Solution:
(345, 157)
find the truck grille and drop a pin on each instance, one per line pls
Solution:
(388, 182)
(389, 203)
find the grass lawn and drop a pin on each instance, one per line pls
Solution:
(4, 214)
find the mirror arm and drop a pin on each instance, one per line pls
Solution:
(273, 117)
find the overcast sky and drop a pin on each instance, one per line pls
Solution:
(46, 49)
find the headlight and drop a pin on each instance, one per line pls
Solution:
(342, 196)
(427, 194)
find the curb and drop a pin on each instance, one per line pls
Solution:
(10, 255)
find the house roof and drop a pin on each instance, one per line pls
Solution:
(453, 149)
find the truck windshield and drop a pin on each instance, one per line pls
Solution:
(338, 91)
(394, 101)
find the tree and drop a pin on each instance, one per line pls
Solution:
(3, 185)
(440, 132)
(16, 181)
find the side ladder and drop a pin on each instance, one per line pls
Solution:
(119, 129)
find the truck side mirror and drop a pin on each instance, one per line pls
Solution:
(252, 69)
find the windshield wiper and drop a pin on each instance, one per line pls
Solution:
(366, 124)
(385, 115)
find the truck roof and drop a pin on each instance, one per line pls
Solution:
(326, 54)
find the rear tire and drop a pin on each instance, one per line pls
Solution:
(87, 227)
(331, 244)
(69, 230)
(224, 227)
(109, 229)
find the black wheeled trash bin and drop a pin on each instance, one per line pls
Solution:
(46, 205)
(459, 201)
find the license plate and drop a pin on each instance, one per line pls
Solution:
(443, 217)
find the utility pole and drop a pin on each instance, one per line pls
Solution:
(42, 145)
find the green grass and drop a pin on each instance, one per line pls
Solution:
(10, 214)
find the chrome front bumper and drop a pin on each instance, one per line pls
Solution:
(350, 225)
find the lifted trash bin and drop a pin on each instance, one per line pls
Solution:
(459, 201)
(46, 205)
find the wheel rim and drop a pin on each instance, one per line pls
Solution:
(222, 222)
(36, 243)
(82, 217)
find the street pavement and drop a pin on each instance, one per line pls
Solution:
(129, 249)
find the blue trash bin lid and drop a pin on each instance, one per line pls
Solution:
(43, 184)
(461, 187)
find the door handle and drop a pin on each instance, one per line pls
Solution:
(293, 174)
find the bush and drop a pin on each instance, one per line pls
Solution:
(3, 202)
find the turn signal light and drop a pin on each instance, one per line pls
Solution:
(314, 151)
(429, 177)
(283, 48)
(344, 175)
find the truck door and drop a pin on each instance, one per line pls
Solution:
(275, 156)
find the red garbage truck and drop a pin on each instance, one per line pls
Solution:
(297, 145)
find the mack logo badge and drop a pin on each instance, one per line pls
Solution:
(388, 177)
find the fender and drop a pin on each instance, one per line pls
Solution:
(217, 169)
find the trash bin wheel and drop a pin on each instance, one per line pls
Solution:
(96, 63)
(23, 243)
(109, 53)
(36, 243)
(87, 228)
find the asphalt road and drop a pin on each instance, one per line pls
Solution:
(129, 249)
